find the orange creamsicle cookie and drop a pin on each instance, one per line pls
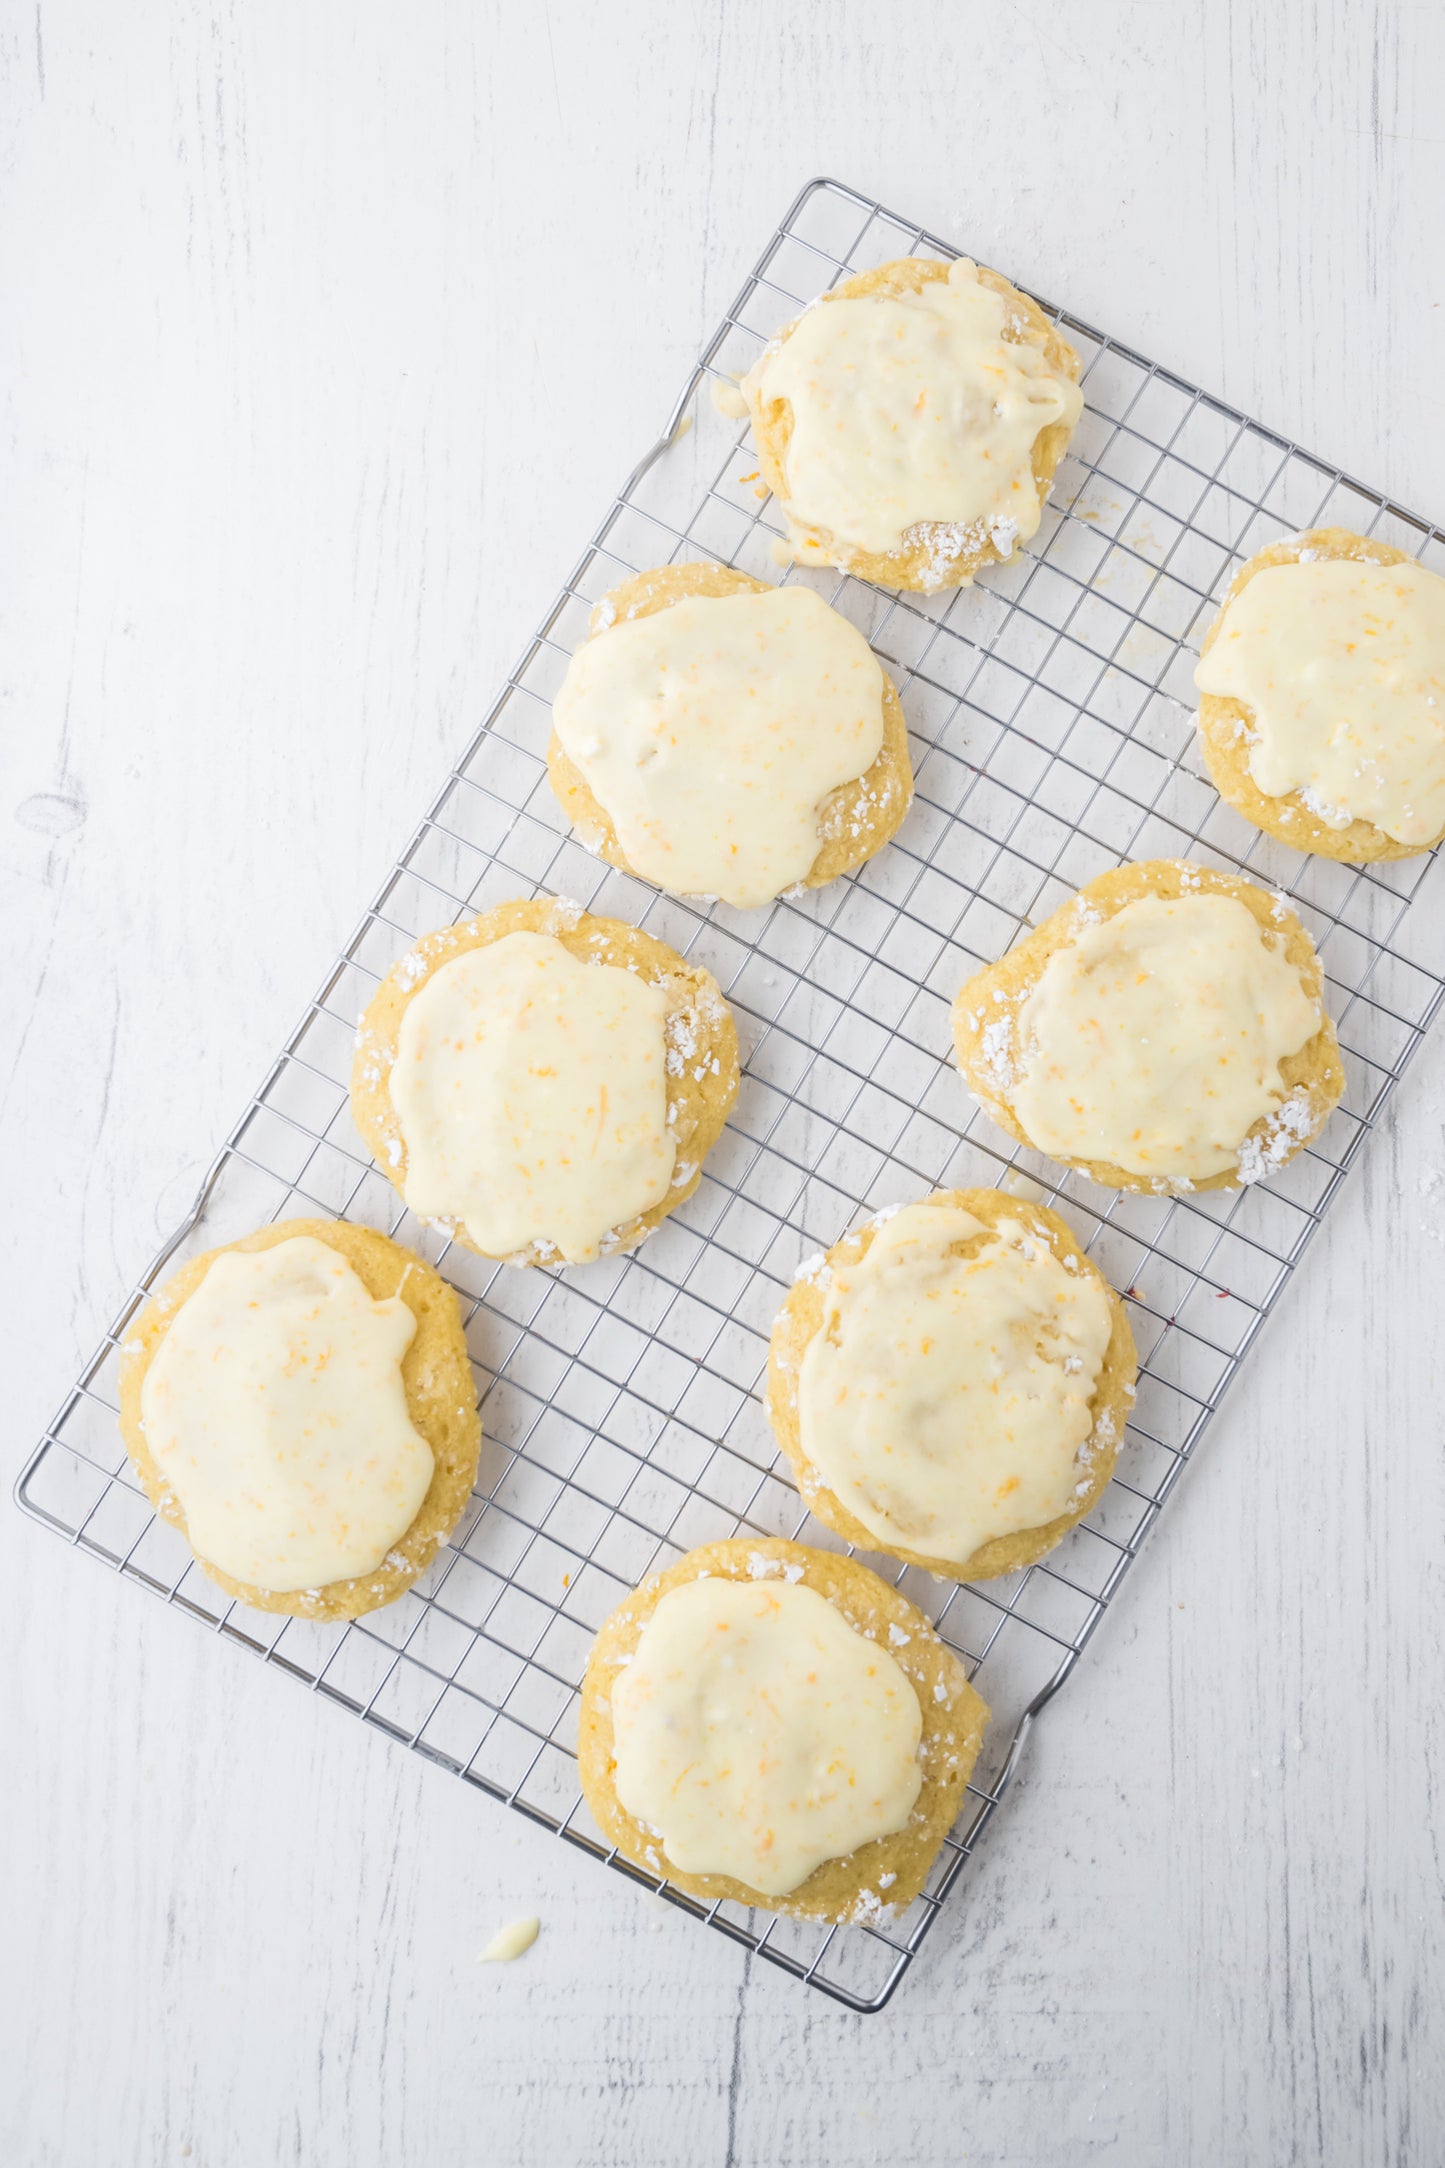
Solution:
(1322, 697)
(1163, 1031)
(721, 737)
(951, 1382)
(544, 1084)
(909, 423)
(776, 1725)
(300, 1406)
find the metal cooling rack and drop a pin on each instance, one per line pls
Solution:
(1050, 708)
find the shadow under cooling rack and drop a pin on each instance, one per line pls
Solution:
(1050, 712)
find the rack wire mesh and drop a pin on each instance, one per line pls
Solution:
(1050, 708)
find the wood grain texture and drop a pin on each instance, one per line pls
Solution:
(330, 331)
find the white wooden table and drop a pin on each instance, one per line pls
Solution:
(331, 330)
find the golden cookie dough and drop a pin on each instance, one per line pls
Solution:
(441, 1400)
(857, 818)
(1224, 722)
(801, 1316)
(699, 1026)
(857, 1887)
(1313, 1075)
(926, 565)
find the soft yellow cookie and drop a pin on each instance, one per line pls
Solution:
(440, 1397)
(986, 1007)
(1224, 724)
(856, 819)
(702, 1080)
(885, 1873)
(939, 555)
(801, 1317)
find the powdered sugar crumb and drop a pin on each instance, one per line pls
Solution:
(763, 1568)
(680, 1034)
(947, 543)
(996, 1052)
(1333, 816)
(564, 911)
(1284, 1131)
(1003, 533)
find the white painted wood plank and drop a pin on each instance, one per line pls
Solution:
(331, 330)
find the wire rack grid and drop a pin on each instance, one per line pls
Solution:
(1050, 712)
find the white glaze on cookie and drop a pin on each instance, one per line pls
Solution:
(275, 1411)
(945, 1397)
(1341, 664)
(913, 409)
(531, 1090)
(712, 732)
(759, 1734)
(1152, 1040)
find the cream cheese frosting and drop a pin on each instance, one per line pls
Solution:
(946, 1396)
(759, 1734)
(276, 1412)
(531, 1090)
(1341, 663)
(912, 409)
(713, 731)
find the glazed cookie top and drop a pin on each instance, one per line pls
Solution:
(1341, 663)
(911, 407)
(531, 1090)
(946, 1396)
(1152, 1039)
(711, 733)
(275, 1410)
(759, 1734)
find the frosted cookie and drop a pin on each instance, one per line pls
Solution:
(301, 1407)
(777, 1726)
(909, 423)
(950, 1383)
(721, 737)
(1164, 1031)
(542, 1084)
(1322, 697)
